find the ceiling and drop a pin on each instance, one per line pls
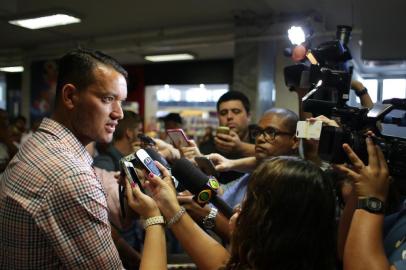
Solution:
(129, 29)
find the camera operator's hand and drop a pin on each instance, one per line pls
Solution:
(371, 180)
(327, 121)
(221, 164)
(228, 143)
(163, 192)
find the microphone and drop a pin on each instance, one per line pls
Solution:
(156, 156)
(203, 187)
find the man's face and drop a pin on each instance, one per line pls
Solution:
(133, 133)
(282, 144)
(172, 125)
(98, 107)
(232, 114)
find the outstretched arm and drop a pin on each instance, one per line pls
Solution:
(362, 93)
(364, 245)
(154, 252)
(223, 164)
(204, 250)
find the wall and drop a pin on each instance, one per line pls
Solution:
(283, 97)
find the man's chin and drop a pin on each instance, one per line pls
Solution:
(105, 139)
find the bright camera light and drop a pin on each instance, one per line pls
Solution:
(296, 35)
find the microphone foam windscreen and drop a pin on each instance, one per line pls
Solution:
(156, 156)
(189, 175)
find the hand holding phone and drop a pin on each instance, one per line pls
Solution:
(178, 137)
(206, 166)
(147, 162)
(128, 169)
(223, 130)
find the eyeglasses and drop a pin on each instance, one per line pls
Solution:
(269, 133)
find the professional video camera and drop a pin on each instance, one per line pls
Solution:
(328, 79)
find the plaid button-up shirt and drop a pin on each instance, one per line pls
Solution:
(53, 210)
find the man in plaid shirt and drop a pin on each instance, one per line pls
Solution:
(53, 210)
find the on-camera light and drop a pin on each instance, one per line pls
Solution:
(296, 35)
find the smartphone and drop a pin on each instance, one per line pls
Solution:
(308, 130)
(223, 130)
(130, 171)
(178, 137)
(147, 162)
(206, 166)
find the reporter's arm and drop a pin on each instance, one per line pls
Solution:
(223, 164)
(245, 165)
(364, 245)
(205, 252)
(154, 252)
(362, 93)
(345, 223)
(198, 213)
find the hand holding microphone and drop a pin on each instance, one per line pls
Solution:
(203, 187)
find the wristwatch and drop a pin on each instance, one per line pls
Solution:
(209, 221)
(372, 205)
(362, 92)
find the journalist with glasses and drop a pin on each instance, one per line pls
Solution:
(274, 136)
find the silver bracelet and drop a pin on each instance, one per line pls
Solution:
(153, 221)
(176, 217)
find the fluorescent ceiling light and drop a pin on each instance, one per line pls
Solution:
(169, 57)
(12, 69)
(45, 21)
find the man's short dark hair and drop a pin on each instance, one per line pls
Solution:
(129, 121)
(235, 95)
(173, 117)
(76, 67)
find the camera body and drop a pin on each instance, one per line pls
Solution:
(329, 81)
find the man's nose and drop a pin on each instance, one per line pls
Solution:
(117, 112)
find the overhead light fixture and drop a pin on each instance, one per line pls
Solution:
(45, 21)
(12, 69)
(169, 57)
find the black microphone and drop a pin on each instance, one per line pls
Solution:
(203, 187)
(158, 157)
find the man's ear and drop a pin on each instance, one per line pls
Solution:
(129, 133)
(69, 94)
(296, 142)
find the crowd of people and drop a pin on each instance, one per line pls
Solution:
(63, 194)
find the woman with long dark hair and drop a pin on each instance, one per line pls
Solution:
(287, 221)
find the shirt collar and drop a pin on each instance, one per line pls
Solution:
(67, 138)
